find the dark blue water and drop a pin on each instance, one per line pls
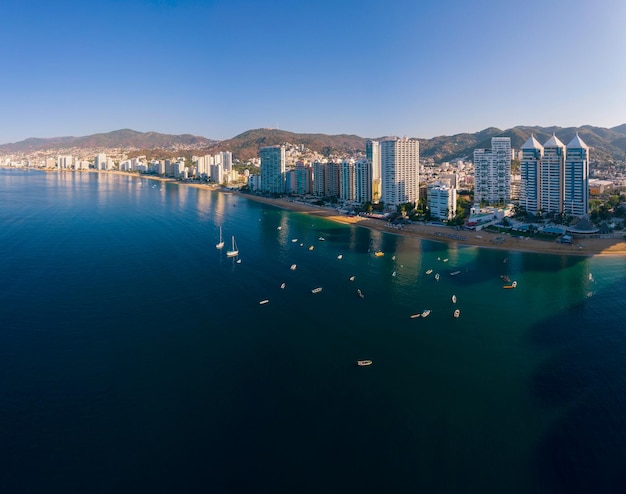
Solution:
(135, 357)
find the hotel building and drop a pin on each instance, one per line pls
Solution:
(492, 172)
(399, 161)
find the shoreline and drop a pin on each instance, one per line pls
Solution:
(481, 239)
(613, 247)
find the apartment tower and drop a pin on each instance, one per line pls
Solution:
(399, 162)
(492, 172)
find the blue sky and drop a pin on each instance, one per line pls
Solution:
(217, 68)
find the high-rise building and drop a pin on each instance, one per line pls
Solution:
(319, 179)
(532, 154)
(363, 181)
(302, 178)
(100, 161)
(576, 193)
(492, 172)
(551, 176)
(273, 169)
(348, 180)
(399, 161)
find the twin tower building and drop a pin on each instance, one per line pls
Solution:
(554, 178)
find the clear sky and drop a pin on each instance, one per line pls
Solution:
(217, 68)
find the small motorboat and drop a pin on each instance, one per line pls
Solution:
(394, 274)
(457, 313)
(454, 299)
(316, 290)
(363, 363)
(358, 290)
(293, 267)
(454, 273)
(282, 285)
(436, 276)
(413, 316)
(426, 313)
(340, 256)
(512, 285)
(429, 271)
(311, 247)
(352, 278)
(263, 302)
(379, 253)
(321, 239)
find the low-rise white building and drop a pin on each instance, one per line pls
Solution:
(441, 201)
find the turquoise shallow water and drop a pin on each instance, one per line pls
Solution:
(134, 356)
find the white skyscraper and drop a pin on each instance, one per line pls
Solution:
(100, 161)
(576, 194)
(399, 160)
(492, 172)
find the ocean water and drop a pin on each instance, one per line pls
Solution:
(135, 357)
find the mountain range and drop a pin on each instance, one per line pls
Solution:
(607, 144)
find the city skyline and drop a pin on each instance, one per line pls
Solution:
(216, 69)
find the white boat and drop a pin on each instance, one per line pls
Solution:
(454, 299)
(220, 244)
(445, 260)
(429, 271)
(282, 286)
(234, 250)
(352, 278)
(263, 302)
(393, 258)
(293, 267)
(363, 363)
(457, 313)
(426, 313)
(279, 228)
(321, 239)
(454, 273)
(294, 240)
(436, 276)
(393, 274)
(358, 290)
(340, 256)
(413, 316)
(316, 290)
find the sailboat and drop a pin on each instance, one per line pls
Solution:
(234, 251)
(220, 244)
